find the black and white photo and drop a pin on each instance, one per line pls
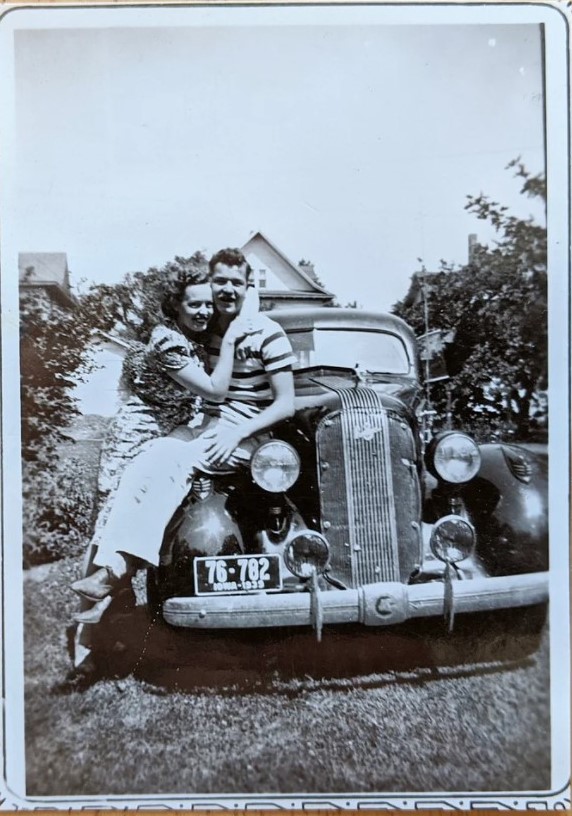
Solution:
(285, 298)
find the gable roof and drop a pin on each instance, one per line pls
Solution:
(309, 285)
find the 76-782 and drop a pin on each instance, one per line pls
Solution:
(237, 573)
(240, 573)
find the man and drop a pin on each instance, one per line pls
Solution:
(155, 483)
(263, 381)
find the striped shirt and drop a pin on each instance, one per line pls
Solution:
(271, 353)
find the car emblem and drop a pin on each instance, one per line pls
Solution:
(368, 430)
(385, 606)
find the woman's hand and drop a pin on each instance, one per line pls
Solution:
(243, 331)
(223, 441)
(238, 328)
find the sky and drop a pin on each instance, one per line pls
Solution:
(351, 146)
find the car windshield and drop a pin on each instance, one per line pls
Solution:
(374, 351)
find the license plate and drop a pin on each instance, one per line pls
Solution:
(234, 574)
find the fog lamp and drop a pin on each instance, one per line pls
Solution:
(452, 539)
(454, 457)
(275, 466)
(306, 553)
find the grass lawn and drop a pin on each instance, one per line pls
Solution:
(410, 710)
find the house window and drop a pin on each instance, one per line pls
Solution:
(262, 278)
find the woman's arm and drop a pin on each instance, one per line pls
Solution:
(215, 386)
(199, 382)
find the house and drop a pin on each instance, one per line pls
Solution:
(47, 274)
(282, 283)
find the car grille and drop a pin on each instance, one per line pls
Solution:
(369, 490)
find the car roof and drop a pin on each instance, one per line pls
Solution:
(303, 319)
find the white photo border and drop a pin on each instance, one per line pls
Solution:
(556, 19)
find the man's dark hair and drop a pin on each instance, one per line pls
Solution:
(175, 290)
(230, 257)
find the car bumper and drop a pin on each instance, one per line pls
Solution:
(380, 604)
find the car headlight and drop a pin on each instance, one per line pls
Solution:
(275, 466)
(452, 539)
(454, 457)
(307, 552)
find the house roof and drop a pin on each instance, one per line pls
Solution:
(48, 270)
(294, 267)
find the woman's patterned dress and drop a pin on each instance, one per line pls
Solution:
(155, 407)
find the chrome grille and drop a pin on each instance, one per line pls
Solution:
(356, 489)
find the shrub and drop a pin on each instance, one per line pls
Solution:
(59, 509)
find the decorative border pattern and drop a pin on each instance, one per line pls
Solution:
(411, 802)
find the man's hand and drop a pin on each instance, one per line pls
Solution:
(222, 442)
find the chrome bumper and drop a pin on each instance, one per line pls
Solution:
(379, 604)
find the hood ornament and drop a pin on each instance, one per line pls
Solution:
(361, 375)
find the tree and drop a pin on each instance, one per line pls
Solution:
(51, 352)
(52, 341)
(308, 267)
(132, 307)
(497, 308)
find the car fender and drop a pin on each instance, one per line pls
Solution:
(508, 503)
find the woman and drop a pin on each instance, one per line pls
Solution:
(159, 403)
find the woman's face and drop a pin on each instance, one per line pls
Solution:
(196, 308)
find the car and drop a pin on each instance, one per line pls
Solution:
(351, 513)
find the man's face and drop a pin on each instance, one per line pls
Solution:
(228, 285)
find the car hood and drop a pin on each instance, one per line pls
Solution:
(318, 391)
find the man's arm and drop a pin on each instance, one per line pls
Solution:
(225, 440)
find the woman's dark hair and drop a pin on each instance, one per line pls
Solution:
(175, 290)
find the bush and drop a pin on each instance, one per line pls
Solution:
(59, 509)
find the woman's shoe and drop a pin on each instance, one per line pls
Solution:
(97, 586)
(95, 613)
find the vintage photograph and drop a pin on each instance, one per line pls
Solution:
(285, 424)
